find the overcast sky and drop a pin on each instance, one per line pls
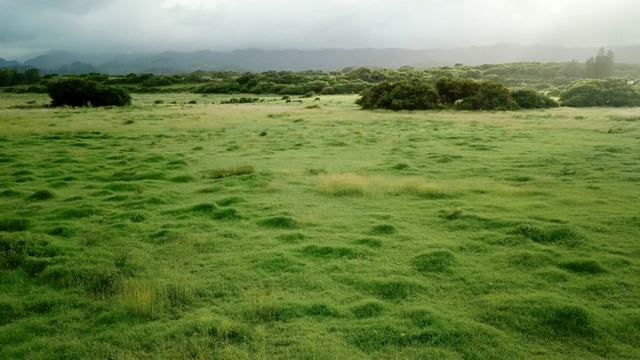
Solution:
(28, 26)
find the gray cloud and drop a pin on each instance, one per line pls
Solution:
(186, 25)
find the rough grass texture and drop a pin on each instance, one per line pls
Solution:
(352, 234)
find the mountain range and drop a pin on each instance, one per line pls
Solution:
(255, 60)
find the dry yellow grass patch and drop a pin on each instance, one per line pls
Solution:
(141, 297)
(351, 184)
(423, 188)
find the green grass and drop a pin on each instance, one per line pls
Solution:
(267, 230)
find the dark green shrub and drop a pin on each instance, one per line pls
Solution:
(75, 91)
(489, 96)
(598, 92)
(404, 95)
(453, 89)
(531, 99)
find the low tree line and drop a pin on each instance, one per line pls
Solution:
(467, 94)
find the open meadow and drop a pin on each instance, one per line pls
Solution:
(316, 230)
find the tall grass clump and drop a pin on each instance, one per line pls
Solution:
(424, 189)
(349, 184)
(220, 173)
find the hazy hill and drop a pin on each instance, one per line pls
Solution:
(297, 60)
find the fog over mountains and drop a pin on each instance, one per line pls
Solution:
(255, 60)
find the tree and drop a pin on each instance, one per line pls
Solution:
(601, 66)
(32, 76)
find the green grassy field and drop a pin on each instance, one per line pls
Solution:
(276, 230)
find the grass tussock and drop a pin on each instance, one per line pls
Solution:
(542, 317)
(352, 184)
(424, 189)
(14, 224)
(41, 195)
(292, 238)
(383, 229)
(279, 222)
(349, 184)
(144, 298)
(368, 309)
(369, 242)
(9, 193)
(220, 173)
(331, 252)
(399, 289)
(551, 234)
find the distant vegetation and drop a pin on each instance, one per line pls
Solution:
(550, 79)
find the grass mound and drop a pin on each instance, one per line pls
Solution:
(100, 280)
(322, 310)
(280, 263)
(368, 309)
(41, 195)
(542, 317)
(529, 259)
(182, 179)
(383, 229)
(370, 242)
(78, 213)
(390, 289)
(28, 254)
(226, 214)
(434, 261)
(62, 231)
(375, 338)
(230, 201)
(550, 234)
(279, 222)
(14, 224)
(10, 194)
(164, 236)
(292, 238)
(204, 209)
(583, 266)
(330, 252)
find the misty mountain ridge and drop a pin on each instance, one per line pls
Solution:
(256, 60)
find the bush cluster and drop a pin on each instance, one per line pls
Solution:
(75, 91)
(600, 92)
(450, 93)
